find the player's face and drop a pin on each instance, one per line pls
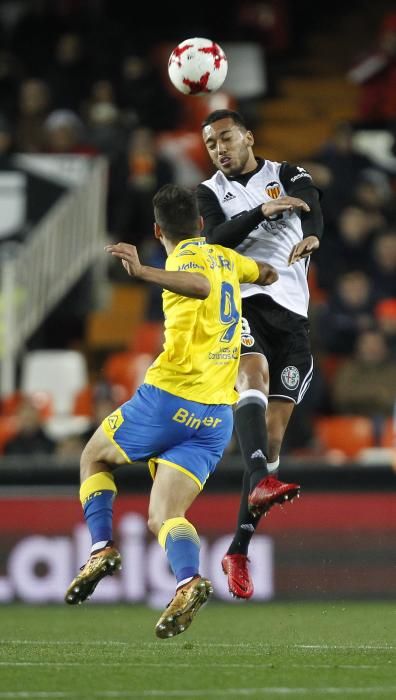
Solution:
(229, 146)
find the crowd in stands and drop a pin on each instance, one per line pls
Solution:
(72, 83)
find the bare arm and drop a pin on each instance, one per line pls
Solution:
(267, 274)
(187, 284)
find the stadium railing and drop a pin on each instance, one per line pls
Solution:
(35, 276)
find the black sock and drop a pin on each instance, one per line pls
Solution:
(251, 429)
(247, 522)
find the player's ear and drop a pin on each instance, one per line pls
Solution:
(249, 138)
(157, 231)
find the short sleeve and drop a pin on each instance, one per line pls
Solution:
(247, 268)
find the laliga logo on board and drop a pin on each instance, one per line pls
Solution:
(273, 190)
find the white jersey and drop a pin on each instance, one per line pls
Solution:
(273, 239)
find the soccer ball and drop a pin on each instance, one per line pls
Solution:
(197, 66)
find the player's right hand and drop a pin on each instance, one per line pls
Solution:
(129, 256)
(278, 206)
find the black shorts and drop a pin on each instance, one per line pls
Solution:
(283, 337)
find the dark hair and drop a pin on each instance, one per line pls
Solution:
(223, 114)
(176, 212)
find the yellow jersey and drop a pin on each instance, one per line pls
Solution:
(201, 351)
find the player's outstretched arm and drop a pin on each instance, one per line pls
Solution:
(267, 274)
(303, 249)
(278, 206)
(187, 284)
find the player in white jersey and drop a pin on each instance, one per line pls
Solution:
(243, 207)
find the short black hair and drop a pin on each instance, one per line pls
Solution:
(176, 212)
(224, 114)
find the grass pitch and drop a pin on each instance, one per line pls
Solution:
(291, 650)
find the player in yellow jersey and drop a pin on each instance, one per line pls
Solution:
(180, 419)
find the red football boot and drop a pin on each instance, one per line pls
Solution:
(270, 491)
(240, 584)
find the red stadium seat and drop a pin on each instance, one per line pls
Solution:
(127, 369)
(8, 430)
(83, 402)
(348, 434)
(388, 435)
(148, 338)
(42, 400)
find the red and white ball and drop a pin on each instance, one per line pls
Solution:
(197, 66)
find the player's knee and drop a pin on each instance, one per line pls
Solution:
(85, 463)
(253, 373)
(154, 523)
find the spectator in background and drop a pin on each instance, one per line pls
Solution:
(348, 245)
(143, 95)
(366, 383)
(373, 192)
(104, 120)
(384, 264)
(31, 437)
(64, 132)
(133, 181)
(344, 164)
(33, 109)
(10, 76)
(385, 316)
(68, 73)
(348, 311)
(376, 75)
(6, 143)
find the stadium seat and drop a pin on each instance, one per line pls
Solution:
(348, 434)
(388, 435)
(83, 402)
(8, 429)
(60, 373)
(127, 369)
(40, 399)
(148, 337)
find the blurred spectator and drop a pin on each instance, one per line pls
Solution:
(105, 125)
(385, 315)
(64, 133)
(373, 192)
(265, 22)
(143, 95)
(384, 264)
(68, 74)
(348, 311)
(6, 143)
(376, 75)
(344, 164)
(33, 108)
(348, 246)
(134, 179)
(10, 76)
(366, 383)
(31, 437)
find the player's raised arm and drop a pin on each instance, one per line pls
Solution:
(187, 284)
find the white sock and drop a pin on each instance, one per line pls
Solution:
(273, 466)
(98, 545)
(184, 581)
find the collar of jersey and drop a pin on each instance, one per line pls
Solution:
(201, 240)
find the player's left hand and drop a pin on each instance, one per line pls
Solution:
(303, 249)
(129, 256)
